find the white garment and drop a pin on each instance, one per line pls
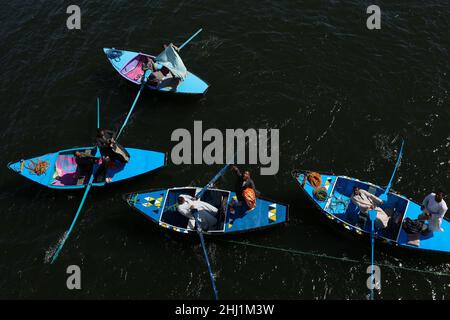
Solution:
(437, 211)
(365, 200)
(185, 208)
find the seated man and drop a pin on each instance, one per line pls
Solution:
(434, 209)
(367, 201)
(85, 163)
(158, 72)
(207, 213)
(169, 68)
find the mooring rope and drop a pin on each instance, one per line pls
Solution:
(325, 256)
(38, 168)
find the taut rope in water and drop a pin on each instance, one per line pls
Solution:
(325, 256)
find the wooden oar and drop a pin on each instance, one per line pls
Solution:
(189, 40)
(205, 253)
(66, 236)
(384, 196)
(200, 231)
(372, 217)
(220, 173)
(83, 200)
(213, 181)
(144, 81)
(98, 113)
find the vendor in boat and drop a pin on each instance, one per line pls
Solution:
(434, 209)
(111, 151)
(85, 162)
(245, 190)
(105, 141)
(367, 201)
(207, 213)
(159, 72)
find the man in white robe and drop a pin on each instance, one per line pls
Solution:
(434, 209)
(367, 201)
(207, 213)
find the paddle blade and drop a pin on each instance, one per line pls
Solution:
(208, 264)
(83, 200)
(384, 197)
(372, 215)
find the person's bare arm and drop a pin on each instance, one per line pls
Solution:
(236, 170)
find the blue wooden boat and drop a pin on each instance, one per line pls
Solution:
(129, 65)
(338, 208)
(61, 168)
(159, 205)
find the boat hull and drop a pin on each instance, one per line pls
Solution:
(128, 65)
(157, 205)
(339, 211)
(62, 169)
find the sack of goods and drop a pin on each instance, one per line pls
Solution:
(249, 197)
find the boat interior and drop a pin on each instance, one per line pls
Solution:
(69, 173)
(217, 198)
(134, 71)
(341, 206)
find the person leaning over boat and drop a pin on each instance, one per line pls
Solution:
(434, 209)
(105, 141)
(110, 151)
(159, 72)
(367, 201)
(207, 213)
(245, 190)
(85, 162)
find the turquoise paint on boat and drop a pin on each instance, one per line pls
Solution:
(339, 209)
(159, 206)
(141, 162)
(128, 65)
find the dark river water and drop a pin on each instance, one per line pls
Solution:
(341, 95)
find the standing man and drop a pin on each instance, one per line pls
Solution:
(245, 189)
(434, 209)
(109, 148)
